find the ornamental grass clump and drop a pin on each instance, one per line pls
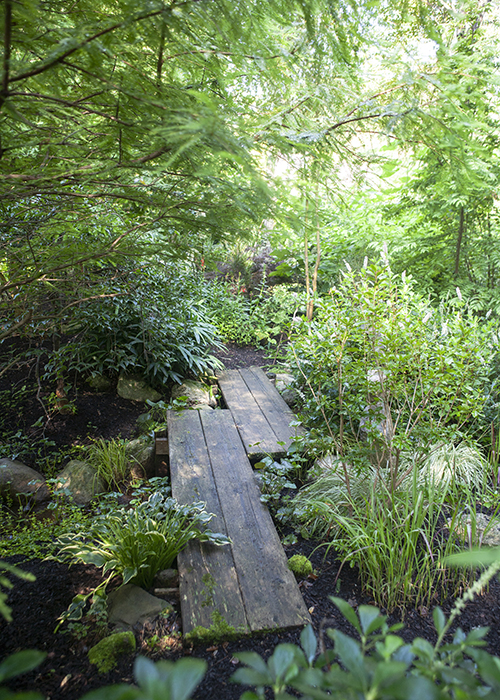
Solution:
(138, 542)
(110, 460)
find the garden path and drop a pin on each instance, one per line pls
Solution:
(248, 583)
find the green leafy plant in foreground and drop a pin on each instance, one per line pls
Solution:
(380, 666)
(138, 542)
(15, 665)
(163, 680)
(5, 583)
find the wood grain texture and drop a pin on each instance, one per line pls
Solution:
(260, 413)
(249, 582)
(270, 592)
(256, 434)
(207, 576)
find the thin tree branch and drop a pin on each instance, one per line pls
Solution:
(89, 40)
(6, 51)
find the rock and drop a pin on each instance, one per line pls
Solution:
(100, 383)
(167, 578)
(136, 389)
(290, 397)
(130, 605)
(283, 381)
(141, 454)
(105, 654)
(491, 538)
(202, 407)
(21, 483)
(80, 481)
(196, 392)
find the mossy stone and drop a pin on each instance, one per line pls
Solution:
(300, 565)
(105, 654)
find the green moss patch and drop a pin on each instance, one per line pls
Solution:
(218, 630)
(106, 653)
(300, 565)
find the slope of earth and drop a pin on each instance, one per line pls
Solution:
(66, 674)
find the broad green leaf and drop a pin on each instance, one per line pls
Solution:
(347, 612)
(19, 663)
(309, 643)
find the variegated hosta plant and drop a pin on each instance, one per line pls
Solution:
(138, 542)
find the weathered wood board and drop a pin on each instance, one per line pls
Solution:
(207, 575)
(254, 590)
(259, 412)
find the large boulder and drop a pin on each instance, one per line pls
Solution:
(141, 455)
(80, 482)
(136, 389)
(20, 483)
(197, 393)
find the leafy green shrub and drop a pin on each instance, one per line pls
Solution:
(249, 320)
(147, 322)
(389, 381)
(138, 542)
(382, 373)
(380, 666)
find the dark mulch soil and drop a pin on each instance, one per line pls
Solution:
(67, 674)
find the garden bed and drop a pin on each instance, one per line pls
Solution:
(67, 673)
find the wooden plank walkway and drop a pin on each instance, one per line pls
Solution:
(259, 412)
(247, 582)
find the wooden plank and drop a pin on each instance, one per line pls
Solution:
(257, 435)
(207, 574)
(270, 592)
(262, 416)
(274, 407)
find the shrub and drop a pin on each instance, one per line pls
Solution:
(382, 373)
(138, 542)
(249, 320)
(147, 322)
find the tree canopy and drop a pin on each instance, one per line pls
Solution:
(155, 130)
